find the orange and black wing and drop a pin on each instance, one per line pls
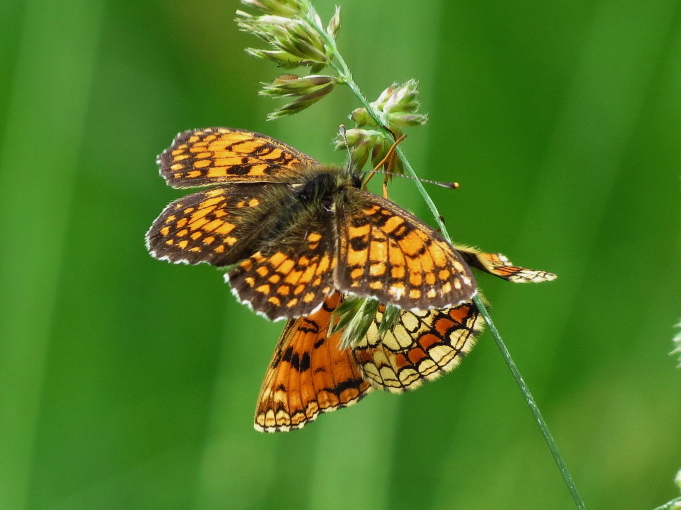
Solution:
(217, 226)
(292, 273)
(308, 374)
(499, 265)
(202, 157)
(423, 345)
(386, 253)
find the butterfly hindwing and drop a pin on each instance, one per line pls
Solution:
(308, 374)
(291, 274)
(423, 345)
(311, 374)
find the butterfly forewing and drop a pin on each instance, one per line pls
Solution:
(387, 253)
(213, 226)
(216, 155)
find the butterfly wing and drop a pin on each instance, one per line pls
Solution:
(308, 374)
(385, 252)
(423, 345)
(499, 265)
(216, 226)
(292, 273)
(202, 157)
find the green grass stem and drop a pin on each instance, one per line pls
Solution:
(345, 75)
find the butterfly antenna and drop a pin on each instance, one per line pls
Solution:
(442, 184)
(342, 131)
(389, 158)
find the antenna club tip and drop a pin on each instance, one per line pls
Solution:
(453, 185)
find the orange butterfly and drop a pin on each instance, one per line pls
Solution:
(310, 374)
(294, 230)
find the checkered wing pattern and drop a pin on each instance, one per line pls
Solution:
(499, 265)
(208, 156)
(290, 277)
(297, 230)
(308, 374)
(387, 253)
(423, 345)
(212, 226)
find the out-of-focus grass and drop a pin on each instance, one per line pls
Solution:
(130, 383)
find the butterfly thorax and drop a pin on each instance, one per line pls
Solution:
(323, 184)
(294, 205)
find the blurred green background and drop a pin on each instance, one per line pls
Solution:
(126, 382)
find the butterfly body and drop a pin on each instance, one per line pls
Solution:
(297, 230)
(323, 185)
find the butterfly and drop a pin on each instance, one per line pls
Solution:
(310, 373)
(291, 231)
